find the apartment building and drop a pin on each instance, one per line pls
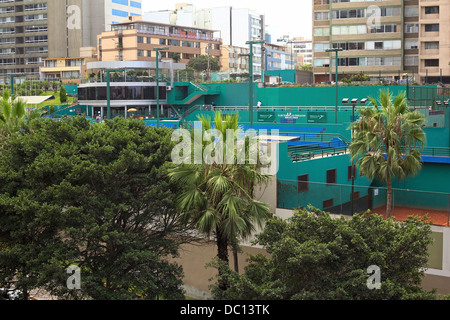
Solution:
(279, 57)
(135, 40)
(64, 69)
(34, 30)
(389, 39)
(233, 60)
(303, 51)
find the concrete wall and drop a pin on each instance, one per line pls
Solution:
(63, 42)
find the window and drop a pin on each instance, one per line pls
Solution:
(321, 47)
(331, 176)
(411, 60)
(411, 44)
(431, 62)
(321, 16)
(140, 39)
(432, 45)
(172, 42)
(411, 11)
(432, 10)
(431, 27)
(321, 32)
(303, 184)
(321, 63)
(412, 28)
(328, 204)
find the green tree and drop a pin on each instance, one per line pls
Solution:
(14, 115)
(201, 63)
(95, 196)
(387, 141)
(45, 85)
(313, 256)
(306, 67)
(176, 56)
(63, 94)
(218, 197)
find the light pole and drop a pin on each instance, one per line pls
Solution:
(108, 92)
(354, 103)
(337, 79)
(250, 78)
(158, 112)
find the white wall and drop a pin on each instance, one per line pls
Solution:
(157, 16)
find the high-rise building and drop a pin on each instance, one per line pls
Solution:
(34, 30)
(236, 25)
(389, 39)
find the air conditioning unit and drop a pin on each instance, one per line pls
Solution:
(168, 88)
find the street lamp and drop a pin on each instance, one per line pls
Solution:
(158, 112)
(354, 102)
(337, 78)
(250, 78)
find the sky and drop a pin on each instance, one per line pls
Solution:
(283, 17)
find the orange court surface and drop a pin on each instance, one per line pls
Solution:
(436, 217)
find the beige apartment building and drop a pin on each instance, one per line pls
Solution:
(389, 39)
(136, 40)
(233, 60)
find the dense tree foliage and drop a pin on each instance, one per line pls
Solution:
(315, 256)
(94, 196)
(204, 63)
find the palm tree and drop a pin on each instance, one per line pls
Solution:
(387, 141)
(13, 114)
(218, 197)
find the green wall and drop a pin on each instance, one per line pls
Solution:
(434, 179)
(237, 94)
(319, 191)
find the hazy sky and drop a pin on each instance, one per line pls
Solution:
(283, 17)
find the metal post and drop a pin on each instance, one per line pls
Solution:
(12, 82)
(250, 82)
(108, 94)
(337, 80)
(353, 163)
(158, 111)
(250, 79)
(158, 115)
